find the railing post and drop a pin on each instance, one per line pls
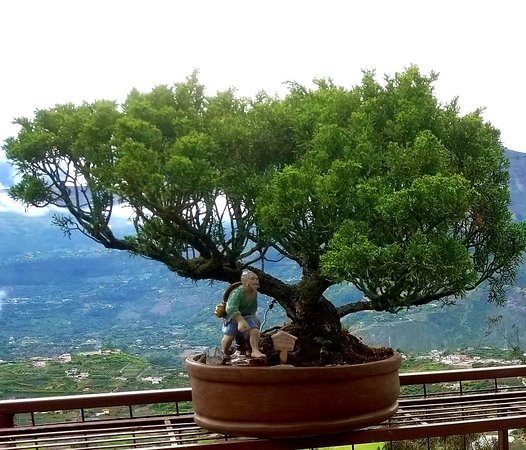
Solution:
(7, 420)
(503, 440)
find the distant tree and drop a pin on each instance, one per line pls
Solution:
(379, 185)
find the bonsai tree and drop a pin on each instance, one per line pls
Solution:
(379, 185)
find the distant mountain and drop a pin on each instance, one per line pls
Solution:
(5, 174)
(59, 295)
(517, 172)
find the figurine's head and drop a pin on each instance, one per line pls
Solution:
(250, 280)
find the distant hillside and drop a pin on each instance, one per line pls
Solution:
(93, 372)
(59, 295)
(517, 171)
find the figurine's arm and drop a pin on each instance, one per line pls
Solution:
(242, 324)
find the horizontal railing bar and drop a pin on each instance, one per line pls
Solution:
(479, 373)
(496, 396)
(65, 427)
(25, 405)
(144, 429)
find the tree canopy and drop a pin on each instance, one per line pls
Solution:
(380, 185)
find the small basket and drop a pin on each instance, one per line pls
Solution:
(220, 309)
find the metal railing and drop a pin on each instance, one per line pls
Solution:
(127, 402)
(462, 381)
(432, 404)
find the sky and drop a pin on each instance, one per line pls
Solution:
(60, 51)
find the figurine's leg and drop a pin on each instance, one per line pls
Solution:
(226, 342)
(242, 344)
(254, 343)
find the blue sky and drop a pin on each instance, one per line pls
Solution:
(58, 51)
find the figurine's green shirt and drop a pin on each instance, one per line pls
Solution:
(238, 304)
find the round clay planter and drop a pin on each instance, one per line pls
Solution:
(285, 401)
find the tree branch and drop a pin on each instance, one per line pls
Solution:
(350, 308)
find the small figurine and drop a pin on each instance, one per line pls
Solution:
(240, 319)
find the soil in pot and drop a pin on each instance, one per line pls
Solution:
(309, 351)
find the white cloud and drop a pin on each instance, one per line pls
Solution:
(7, 204)
(120, 214)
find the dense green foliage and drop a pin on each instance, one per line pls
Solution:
(379, 185)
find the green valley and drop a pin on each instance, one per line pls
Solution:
(91, 372)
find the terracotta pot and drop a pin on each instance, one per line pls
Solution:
(285, 401)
